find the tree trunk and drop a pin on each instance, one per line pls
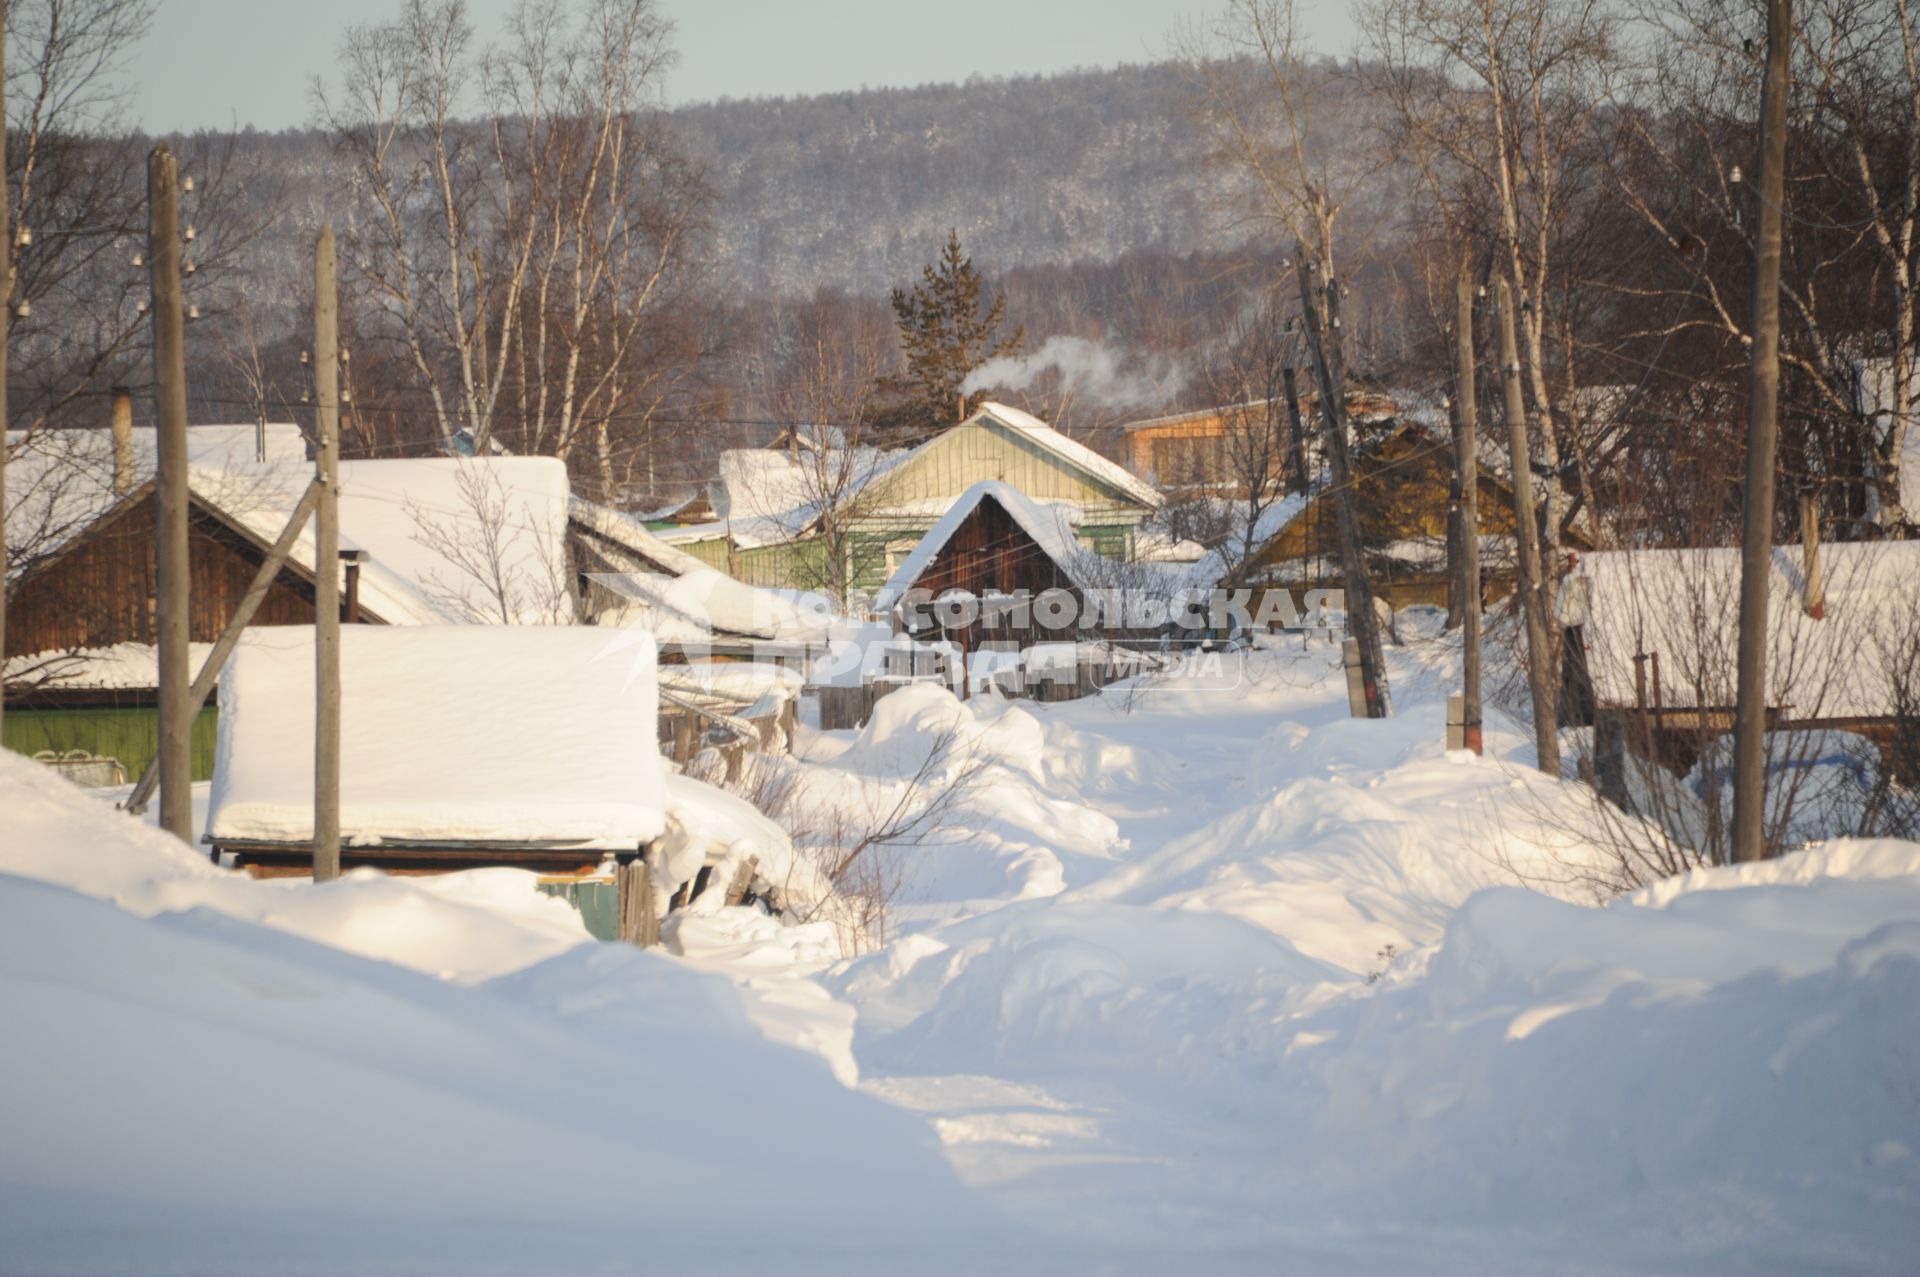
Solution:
(1534, 608)
(1325, 348)
(1763, 398)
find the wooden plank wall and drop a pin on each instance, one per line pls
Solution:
(101, 592)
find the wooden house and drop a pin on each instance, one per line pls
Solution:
(991, 558)
(1189, 451)
(770, 500)
(81, 667)
(1403, 502)
(1653, 634)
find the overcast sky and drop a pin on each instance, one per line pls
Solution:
(214, 63)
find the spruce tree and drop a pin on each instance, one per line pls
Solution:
(946, 333)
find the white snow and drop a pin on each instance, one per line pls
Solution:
(491, 733)
(1684, 605)
(1040, 434)
(1199, 974)
(192, 1092)
(703, 603)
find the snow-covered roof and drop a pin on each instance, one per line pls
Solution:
(704, 602)
(1038, 432)
(449, 538)
(1684, 606)
(1049, 527)
(630, 535)
(60, 481)
(455, 732)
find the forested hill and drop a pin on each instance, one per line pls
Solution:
(858, 189)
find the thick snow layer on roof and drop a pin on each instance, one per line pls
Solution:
(451, 539)
(704, 603)
(1050, 528)
(1040, 433)
(768, 496)
(632, 536)
(1684, 606)
(60, 481)
(124, 665)
(483, 733)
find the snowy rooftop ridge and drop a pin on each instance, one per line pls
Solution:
(1039, 432)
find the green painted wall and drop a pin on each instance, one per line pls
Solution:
(131, 735)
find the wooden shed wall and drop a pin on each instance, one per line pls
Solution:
(101, 592)
(991, 553)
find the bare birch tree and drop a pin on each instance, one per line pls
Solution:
(1263, 105)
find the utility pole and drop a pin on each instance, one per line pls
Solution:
(1526, 532)
(6, 315)
(1466, 462)
(1296, 437)
(1763, 432)
(1325, 348)
(170, 485)
(326, 564)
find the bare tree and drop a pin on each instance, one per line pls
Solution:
(821, 372)
(502, 566)
(1263, 105)
(1496, 100)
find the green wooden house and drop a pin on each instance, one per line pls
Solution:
(769, 501)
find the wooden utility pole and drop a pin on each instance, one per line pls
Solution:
(326, 564)
(170, 485)
(1763, 432)
(203, 682)
(1326, 349)
(1466, 463)
(1533, 582)
(6, 316)
(1296, 436)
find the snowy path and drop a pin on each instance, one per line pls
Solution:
(1202, 982)
(1129, 1064)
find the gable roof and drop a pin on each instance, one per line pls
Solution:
(59, 482)
(1074, 453)
(434, 527)
(1047, 525)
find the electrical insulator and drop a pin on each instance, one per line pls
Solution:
(193, 311)
(187, 267)
(139, 260)
(26, 236)
(24, 310)
(190, 233)
(305, 357)
(1734, 177)
(186, 184)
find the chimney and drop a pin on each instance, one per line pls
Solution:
(1813, 598)
(122, 439)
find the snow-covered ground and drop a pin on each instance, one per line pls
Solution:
(1216, 980)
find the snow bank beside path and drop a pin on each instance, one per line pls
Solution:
(1727, 1071)
(188, 1082)
(467, 927)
